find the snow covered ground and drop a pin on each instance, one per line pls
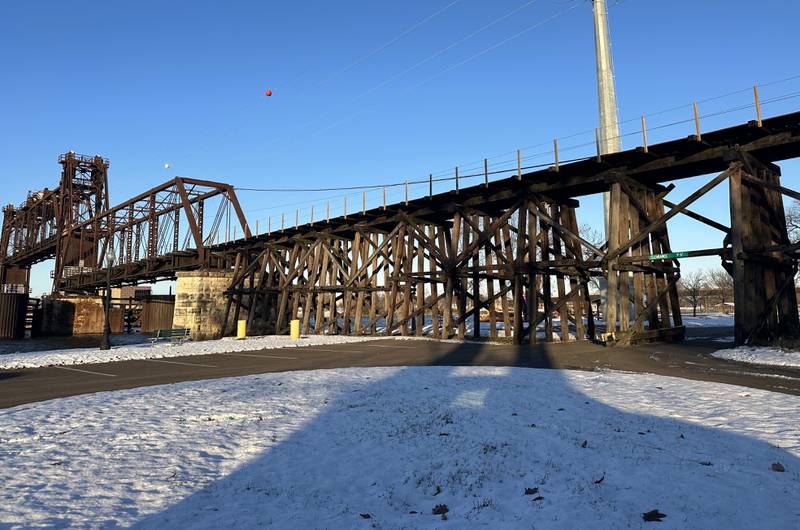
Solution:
(707, 320)
(388, 447)
(162, 350)
(760, 355)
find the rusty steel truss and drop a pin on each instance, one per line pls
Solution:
(510, 251)
(150, 237)
(38, 229)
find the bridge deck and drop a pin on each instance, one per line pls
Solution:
(777, 139)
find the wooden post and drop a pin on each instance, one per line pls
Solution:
(522, 223)
(456, 179)
(373, 282)
(532, 277)
(476, 285)
(434, 289)
(430, 185)
(490, 282)
(519, 171)
(364, 202)
(485, 172)
(740, 231)
(327, 211)
(362, 284)
(462, 291)
(256, 227)
(312, 215)
(312, 280)
(406, 188)
(384, 197)
(610, 312)
(408, 267)
(398, 251)
(506, 239)
(644, 134)
(282, 216)
(345, 206)
(547, 294)
(297, 217)
(269, 225)
(420, 288)
(696, 122)
(758, 105)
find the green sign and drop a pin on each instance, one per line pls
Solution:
(668, 255)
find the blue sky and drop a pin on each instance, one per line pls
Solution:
(147, 83)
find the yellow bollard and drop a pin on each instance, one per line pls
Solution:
(241, 330)
(294, 329)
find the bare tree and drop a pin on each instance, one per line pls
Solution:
(691, 287)
(722, 283)
(596, 238)
(793, 221)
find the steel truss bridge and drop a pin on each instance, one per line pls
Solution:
(168, 228)
(509, 249)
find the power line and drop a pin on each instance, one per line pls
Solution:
(767, 101)
(501, 43)
(402, 73)
(388, 44)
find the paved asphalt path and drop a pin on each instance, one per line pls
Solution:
(689, 359)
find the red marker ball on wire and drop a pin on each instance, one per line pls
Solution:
(268, 92)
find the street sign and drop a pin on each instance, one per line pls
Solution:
(668, 255)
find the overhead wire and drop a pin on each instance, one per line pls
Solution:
(360, 60)
(441, 178)
(397, 76)
(386, 45)
(498, 44)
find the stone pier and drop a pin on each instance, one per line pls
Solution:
(200, 302)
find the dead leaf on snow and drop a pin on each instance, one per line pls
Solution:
(653, 516)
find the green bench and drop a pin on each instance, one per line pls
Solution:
(173, 335)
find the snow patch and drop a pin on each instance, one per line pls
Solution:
(760, 355)
(165, 350)
(709, 320)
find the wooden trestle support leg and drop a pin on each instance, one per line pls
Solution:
(640, 290)
(763, 270)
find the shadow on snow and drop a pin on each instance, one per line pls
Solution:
(430, 448)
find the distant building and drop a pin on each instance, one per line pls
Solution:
(137, 292)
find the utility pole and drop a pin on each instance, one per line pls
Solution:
(609, 119)
(606, 93)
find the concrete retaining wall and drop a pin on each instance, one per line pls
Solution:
(76, 315)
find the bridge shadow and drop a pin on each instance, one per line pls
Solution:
(589, 462)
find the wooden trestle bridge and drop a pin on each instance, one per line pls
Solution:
(429, 265)
(511, 249)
